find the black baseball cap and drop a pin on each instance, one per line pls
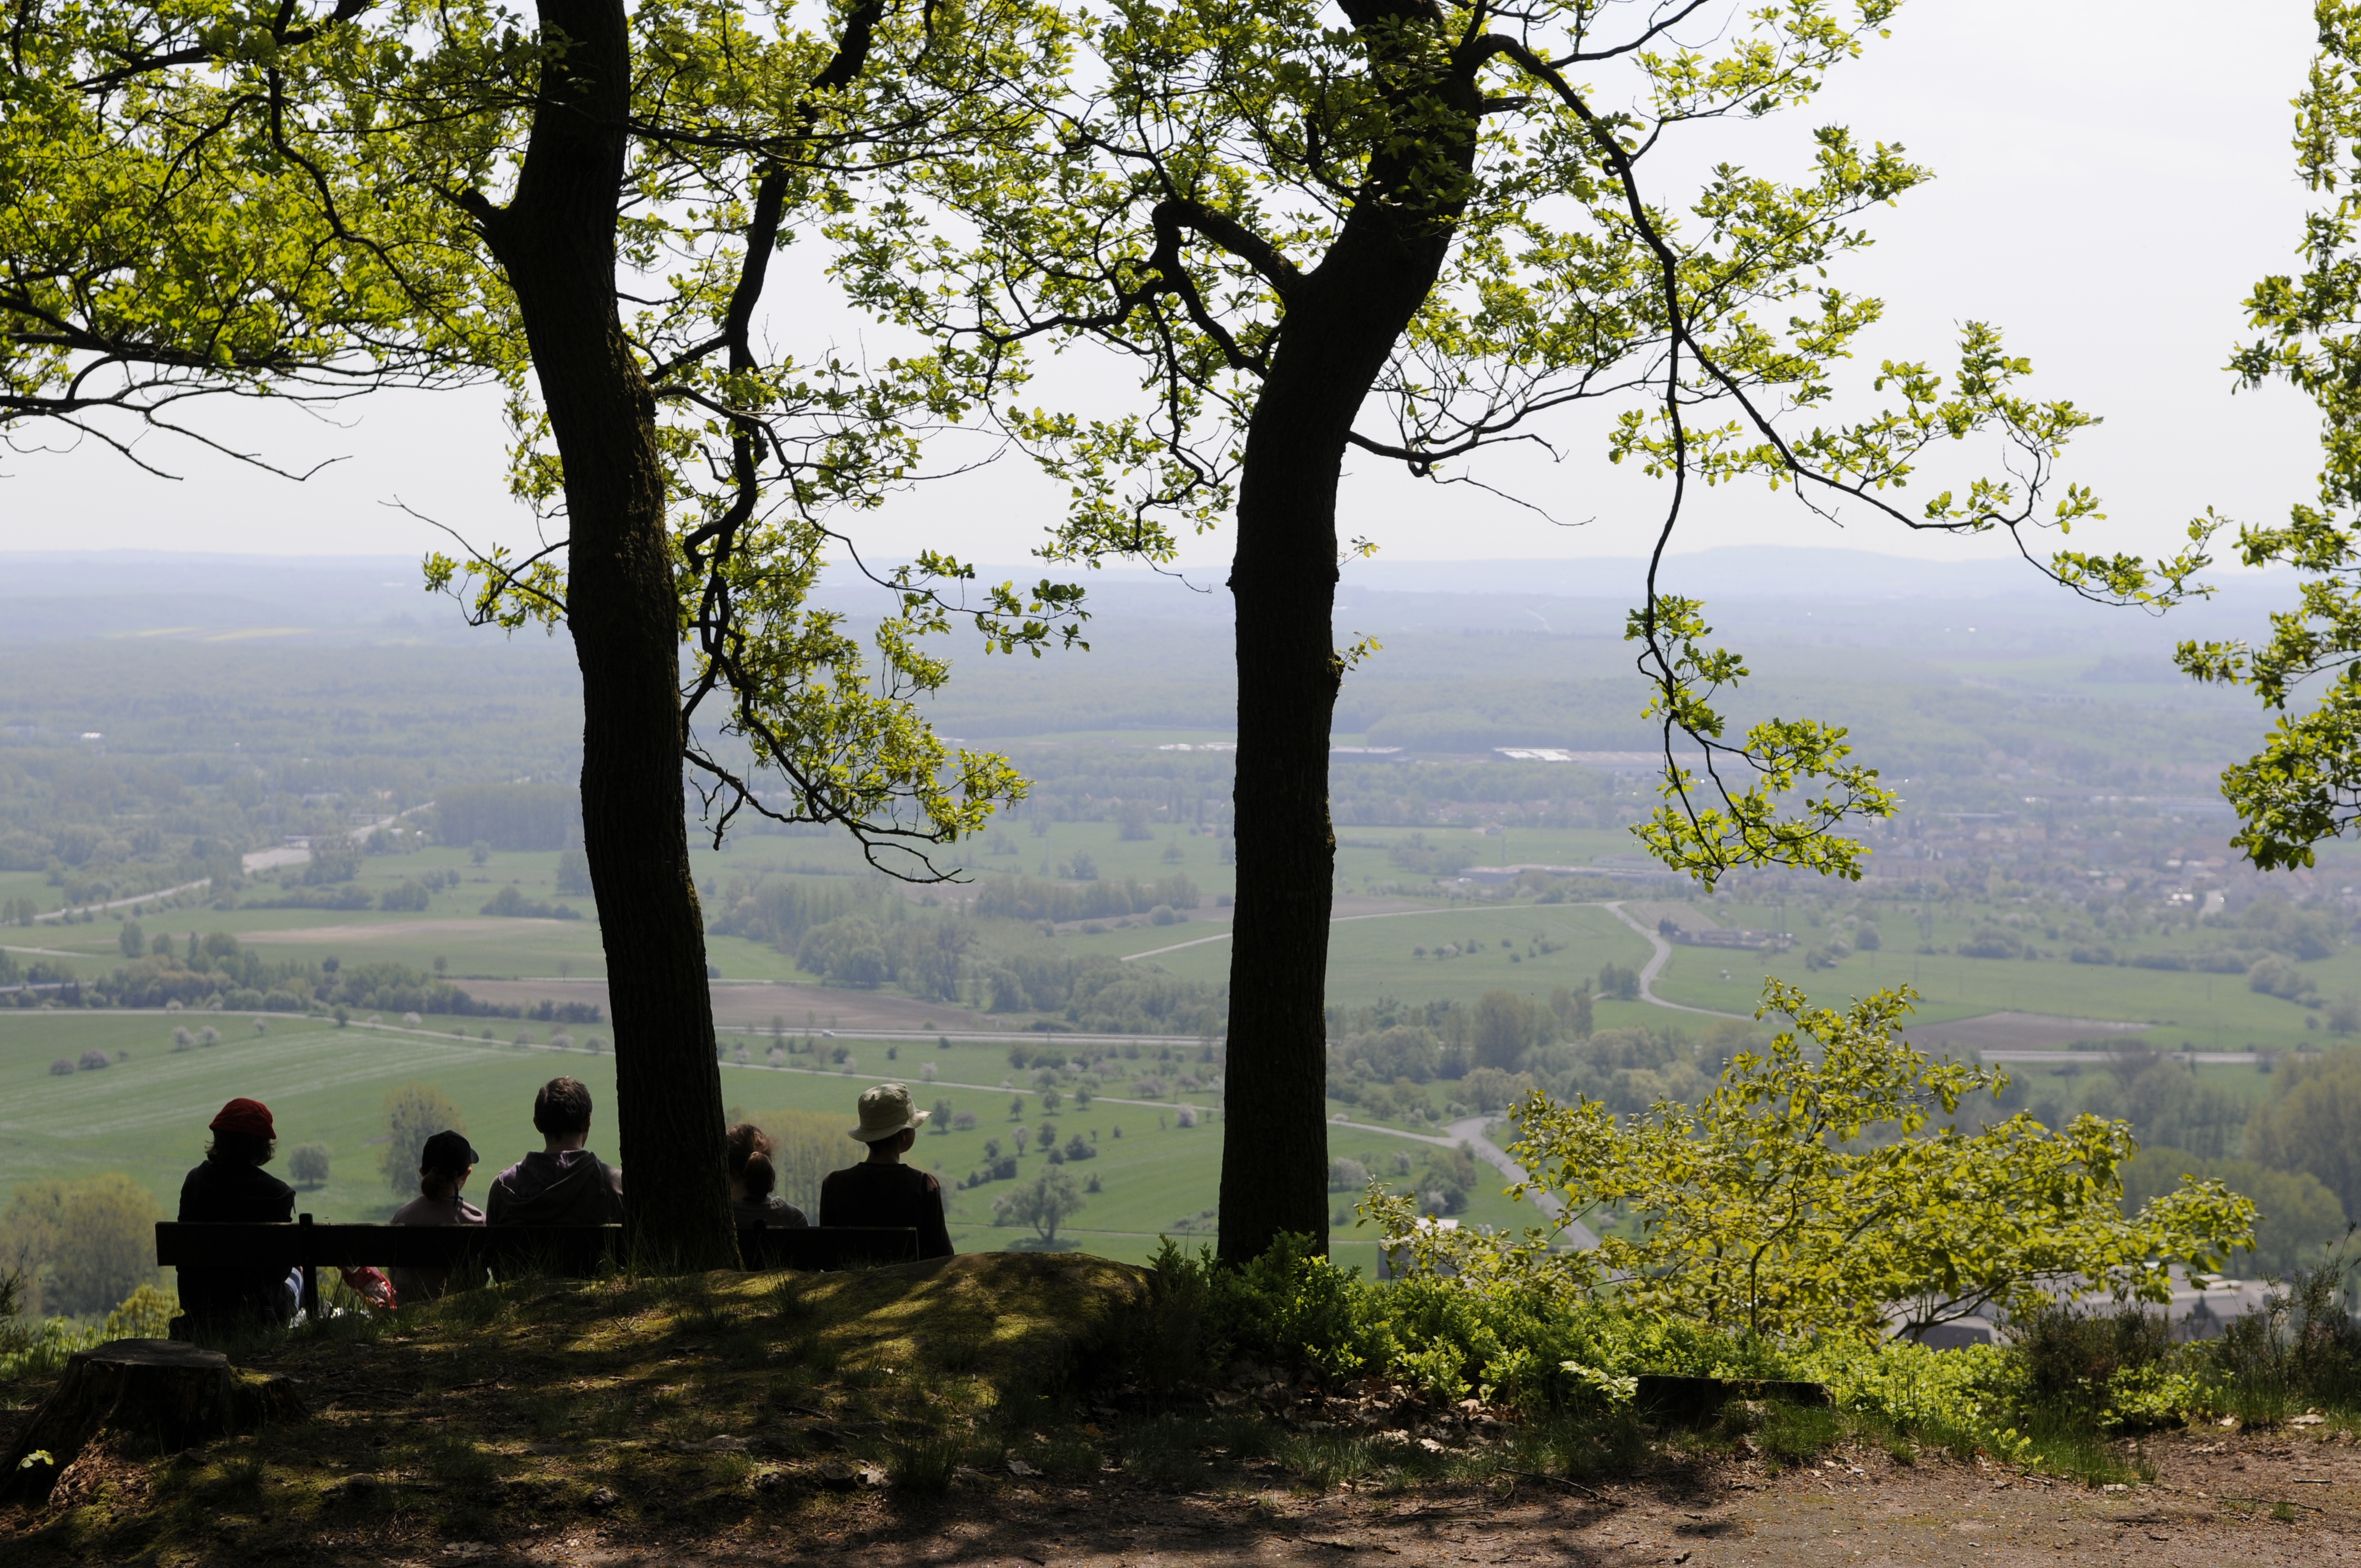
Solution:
(448, 1150)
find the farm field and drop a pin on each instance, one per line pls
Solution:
(2187, 1010)
(1377, 955)
(146, 1116)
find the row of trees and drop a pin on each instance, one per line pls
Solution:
(1412, 231)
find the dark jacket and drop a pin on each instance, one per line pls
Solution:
(426, 1284)
(772, 1211)
(872, 1193)
(214, 1194)
(575, 1187)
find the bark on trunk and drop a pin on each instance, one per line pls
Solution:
(1341, 325)
(556, 242)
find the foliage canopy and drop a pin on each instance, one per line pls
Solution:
(1809, 1194)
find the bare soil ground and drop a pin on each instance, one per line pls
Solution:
(2016, 1030)
(2260, 1500)
(753, 1006)
(393, 930)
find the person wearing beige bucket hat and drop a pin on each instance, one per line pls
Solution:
(880, 1189)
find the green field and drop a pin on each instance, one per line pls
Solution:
(2189, 1010)
(146, 1116)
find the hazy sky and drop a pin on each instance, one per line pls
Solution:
(2113, 177)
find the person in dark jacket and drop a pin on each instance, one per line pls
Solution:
(444, 1166)
(753, 1203)
(564, 1184)
(231, 1187)
(880, 1189)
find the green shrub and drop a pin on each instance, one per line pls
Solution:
(2073, 1359)
(2302, 1349)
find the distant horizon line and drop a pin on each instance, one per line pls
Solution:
(1380, 561)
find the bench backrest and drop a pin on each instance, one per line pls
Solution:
(555, 1249)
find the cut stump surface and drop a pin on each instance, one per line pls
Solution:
(146, 1391)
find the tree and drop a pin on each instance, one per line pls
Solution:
(1043, 1203)
(312, 202)
(1424, 216)
(308, 1163)
(2304, 785)
(2313, 1126)
(1507, 1026)
(2296, 1219)
(86, 1245)
(1809, 1194)
(413, 1113)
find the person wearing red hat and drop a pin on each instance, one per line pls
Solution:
(231, 1187)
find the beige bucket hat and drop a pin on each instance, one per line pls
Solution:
(885, 1110)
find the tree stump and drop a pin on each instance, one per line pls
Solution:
(149, 1390)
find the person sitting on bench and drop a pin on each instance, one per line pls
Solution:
(444, 1166)
(564, 1184)
(751, 1175)
(882, 1190)
(229, 1187)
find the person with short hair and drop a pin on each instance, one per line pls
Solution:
(564, 1183)
(753, 1203)
(229, 1187)
(444, 1166)
(880, 1189)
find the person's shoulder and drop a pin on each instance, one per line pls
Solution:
(469, 1214)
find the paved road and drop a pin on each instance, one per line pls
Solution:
(120, 903)
(1471, 1131)
(1655, 966)
(261, 859)
(1339, 920)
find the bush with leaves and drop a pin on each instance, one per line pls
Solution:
(2302, 1349)
(308, 1163)
(413, 1113)
(83, 1245)
(1044, 1203)
(1809, 1194)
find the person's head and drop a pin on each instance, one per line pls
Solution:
(890, 1121)
(749, 1150)
(242, 1134)
(444, 1164)
(561, 1112)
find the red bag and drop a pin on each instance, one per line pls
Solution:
(371, 1286)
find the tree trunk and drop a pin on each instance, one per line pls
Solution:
(154, 1393)
(1340, 323)
(556, 242)
(1283, 580)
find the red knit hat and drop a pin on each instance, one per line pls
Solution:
(250, 1117)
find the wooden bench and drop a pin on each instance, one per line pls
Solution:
(570, 1251)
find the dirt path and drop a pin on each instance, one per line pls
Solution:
(1860, 1508)
(2271, 1501)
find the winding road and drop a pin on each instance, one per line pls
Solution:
(1655, 966)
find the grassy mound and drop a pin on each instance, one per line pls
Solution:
(706, 1400)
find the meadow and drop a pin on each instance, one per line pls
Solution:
(2187, 1010)
(146, 1115)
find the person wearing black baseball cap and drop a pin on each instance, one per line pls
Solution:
(444, 1166)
